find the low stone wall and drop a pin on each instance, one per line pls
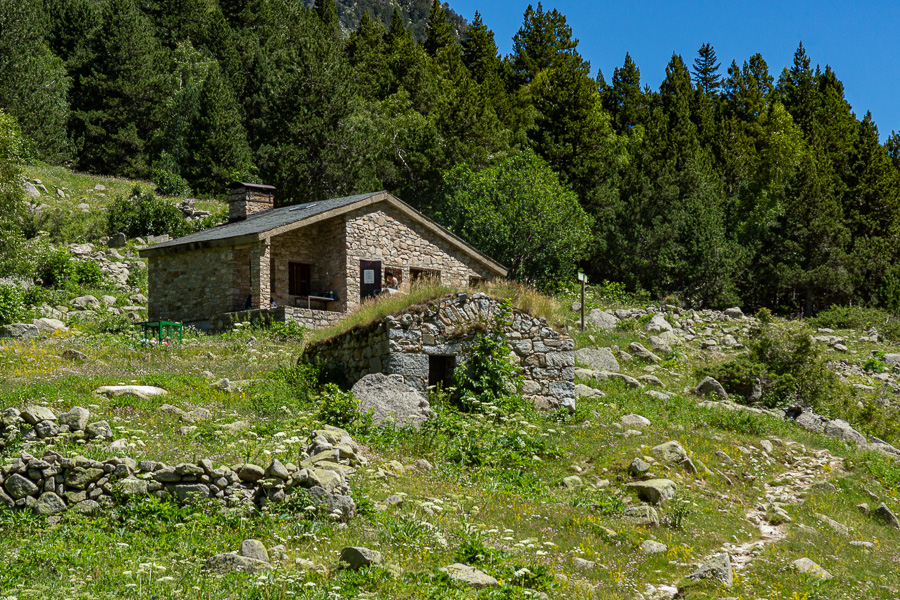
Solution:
(53, 484)
(401, 345)
(39, 422)
(312, 319)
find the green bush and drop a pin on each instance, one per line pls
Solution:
(337, 407)
(55, 267)
(142, 214)
(11, 305)
(170, 184)
(873, 365)
(88, 274)
(860, 318)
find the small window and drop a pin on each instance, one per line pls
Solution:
(475, 281)
(298, 279)
(424, 275)
(440, 370)
(393, 278)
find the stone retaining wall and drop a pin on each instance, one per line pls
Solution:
(403, 345)
(312, 319)
(53, 484)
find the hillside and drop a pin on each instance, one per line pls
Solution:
(415, 13)
(542, 504)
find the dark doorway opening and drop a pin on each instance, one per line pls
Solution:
(369, 278)
(440, 370)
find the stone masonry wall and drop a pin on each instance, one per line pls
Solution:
(190, 286)
(312, 319)
(320, 245)
(389, 236)
(401, 345)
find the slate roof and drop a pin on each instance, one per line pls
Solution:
(264, 221)
(278, 220)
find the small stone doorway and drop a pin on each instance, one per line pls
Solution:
(369, 278)
(440, 370)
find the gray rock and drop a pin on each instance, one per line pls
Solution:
(232, 563)
(254, 549)
(117, 241)
(277, 470)
(717, 568)
(100, 429)
(658, 323)
(891, 360)
(661, 396)
(46, 429)
(633, 421)
(670, 452)
(143, 392)
(19, 331)
(835, 526)
(357, 557)
(642, 516)
(808, 567)
(841, 429)
(188, 492)
(653, 547)
(30, 190)
(131, 487)
(651, 380)
(654, 491)
(586, 391)
(884, 514)
(659, 344)
(196, 415)
(638, 350)
(391, 401)
(332, 503)
(88, 302)
(711, 386)
(19, 487)
(466, 575)
(250, 473)
(734, 313)
(71, 354)
(76, 418)
(46, 325)
(87, 507)
(638, 467)
(35, 414)
(572, 482)
(601, 319)
(49, 504)
(598, 359)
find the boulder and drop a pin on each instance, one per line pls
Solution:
(671, 452)
(391, 401)
(601, 319)
(734, 313)
(711, 386)
(100, 429)
(808, 567)
(633, 421)
(30, 190)
(638, 350)
(117, 241)
(466, 575)
(717, 568)
(572, 482)
(85, 302)
(250, 473)
(891, 360)
(76, 418)
(585, 391)
(658, 324)
(46, 325)
(71, 354)
(357, 557)
(19, 331)
(19, 487)
(642, 516)
(598, 359)
(254, 549)
(884, 514)
(654, 491)
(142, 392)
(35, 414)
(841, 429)
(638, 467)
(49, 504)
(131, 487)
(653, 547)
(231, 563)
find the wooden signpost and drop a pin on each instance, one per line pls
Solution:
(583, 279)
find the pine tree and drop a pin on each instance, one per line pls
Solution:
(543, 41)
(34, 85)
(366, 52)
(439, 35)
(121, 94)
(706, 70)
(624, 99)
(328, 15)
(217, 148)
(480, 53)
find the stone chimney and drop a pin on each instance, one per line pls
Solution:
(245, 199)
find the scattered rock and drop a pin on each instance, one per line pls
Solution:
(717, 568)
(586, 391)
(670, 452)
(195, 416)
(638, 468)
(357, 557)
(654, 491)
(841, 429)
(391, 401)
(838, 528)
(884, 514)
(117, 241)
(572, 482)
(633, 421)
(19, 331)
(19, 487)
(642, 516)
(734, 313)
(464, 574)
(35, 414)
(76, 418)
(638, 350)
(808, 567)
(254, 549)
(658, 323)
(601, 319)
(71, 354)
(49, 326)
(142, 392)
(49, 504)
(653, 547)
(599, 359)
(711, 386)
(231, 563)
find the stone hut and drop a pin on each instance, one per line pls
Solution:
(315, 261)
(423, 344)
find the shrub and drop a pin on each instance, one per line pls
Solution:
(171, 184)
(874, 365)
(145, 214)
(11, 305)
(55, 267)
(337, 407)
(88, 273)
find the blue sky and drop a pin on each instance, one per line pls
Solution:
(860, 40)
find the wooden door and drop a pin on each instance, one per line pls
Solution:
(299, 277)
(369, 278)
